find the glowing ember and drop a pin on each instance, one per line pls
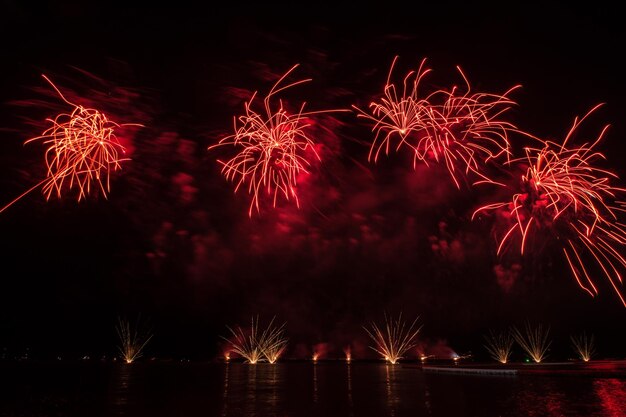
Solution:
(82, 151)
(395, 339)
(464, 130)
(566, 198)
(273, 148)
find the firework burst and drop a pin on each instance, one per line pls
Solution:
(82, 151)
(566, 198)
(394, 339)
(273, 148)
(463, 130)
(399, 113)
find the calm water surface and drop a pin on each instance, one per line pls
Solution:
(158, 389)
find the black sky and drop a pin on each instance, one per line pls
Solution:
(173, 243)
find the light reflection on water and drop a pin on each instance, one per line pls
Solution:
(315, 398)
(295, 389)
(392, 398)
(121, 387)
(225, 395)
(612, 395)
(349, 381)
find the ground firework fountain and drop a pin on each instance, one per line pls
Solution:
(534, 340)
(393, 339)
(499, 345)
(584, 346)
(132, 340)
(256, 346)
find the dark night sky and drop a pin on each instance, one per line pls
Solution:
(173, 243)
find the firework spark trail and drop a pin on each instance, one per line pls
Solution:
(256, 347)
(463, 130)
(584, 346)
(273, 148)
(466, 130)
(395, 339)
(82, 149)
(273, 341)
(132, 341)
(534, 340)
(499, 345)
(396, 114)
(245, 344)
(564, 195)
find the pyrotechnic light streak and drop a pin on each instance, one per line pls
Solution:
(245, 344)
(348, 353)
(82, 149)
(445, 126)
(499, 345)
(424, 357)
(568, 197)
(132, 341)
(395, 339)
(273, 342)
(255, 347)
(396, 115)
(534, 341)
(584, 346)
(272, 148)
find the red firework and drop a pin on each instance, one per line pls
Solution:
(464, 130)
(273, 148)
(566, 196)
(82, 150)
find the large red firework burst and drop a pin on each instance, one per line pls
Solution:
(565, 196)
(464, 130)
(82, 149)
(273, 148)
